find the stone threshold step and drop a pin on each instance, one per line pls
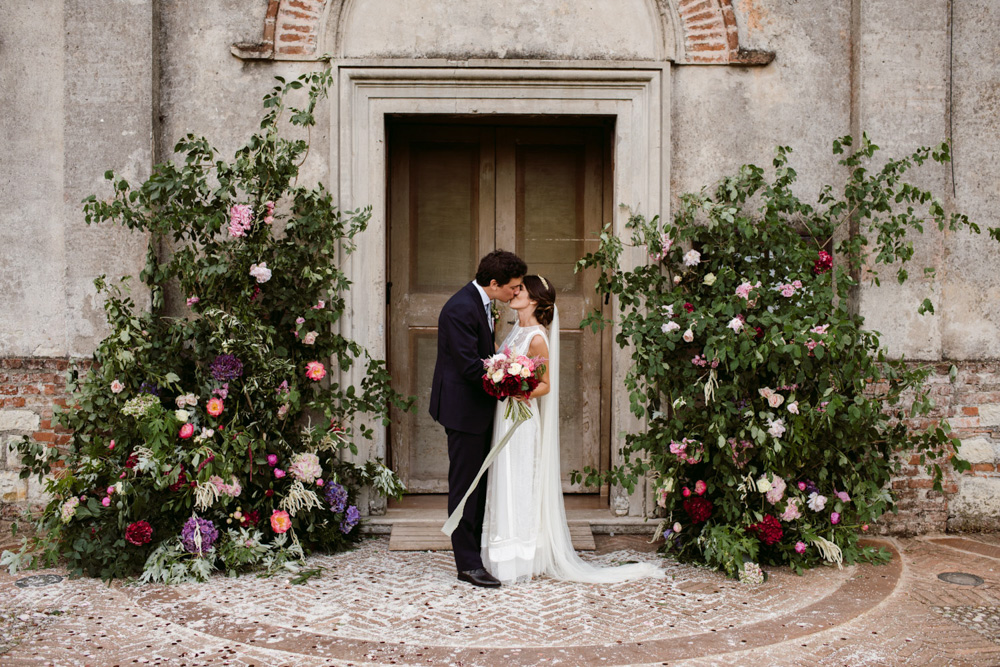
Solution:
(600, 521)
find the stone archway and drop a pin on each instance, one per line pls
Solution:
(701, 32)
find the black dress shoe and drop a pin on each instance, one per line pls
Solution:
(480, 578)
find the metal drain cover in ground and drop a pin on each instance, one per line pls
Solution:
(961, 578)
(38, 580)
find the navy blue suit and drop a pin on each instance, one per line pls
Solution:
(459, 403)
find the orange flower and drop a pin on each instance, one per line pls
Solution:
(214, 407)
(280, 523)
(315, 371)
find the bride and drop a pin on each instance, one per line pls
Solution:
(525, 531)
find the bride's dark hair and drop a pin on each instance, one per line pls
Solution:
(541, 291)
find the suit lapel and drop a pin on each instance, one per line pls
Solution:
(486, 334)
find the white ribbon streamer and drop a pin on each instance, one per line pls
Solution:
(452, 523)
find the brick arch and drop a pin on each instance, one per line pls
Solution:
(708, 33)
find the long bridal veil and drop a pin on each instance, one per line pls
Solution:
(554, 554)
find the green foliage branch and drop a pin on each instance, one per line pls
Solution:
(751, 372)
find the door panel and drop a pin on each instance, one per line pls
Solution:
(456, 193)
(441, 221)
(558, 200)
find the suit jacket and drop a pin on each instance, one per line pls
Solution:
(458, 400)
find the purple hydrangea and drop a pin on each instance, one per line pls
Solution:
(336, 495)
(149, 388)
(208, 535)
(351, 518)
(226, 367)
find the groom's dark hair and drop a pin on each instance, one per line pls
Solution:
(501, 266)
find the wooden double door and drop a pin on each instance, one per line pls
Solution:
(457, 192)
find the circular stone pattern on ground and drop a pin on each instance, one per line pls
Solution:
(372, 604)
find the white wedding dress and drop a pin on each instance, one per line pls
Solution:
(525, 531)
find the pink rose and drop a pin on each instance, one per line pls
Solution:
(191, 300)
(319, 482)
(864, 528)
(187, 430)
(215, 407)
(112, 445)
(300, 320)
(835, 518)
(843, 496)
(802, 486)
(117, 387)
(272, 460)
(280, 522)
(315, 371)
(320, 305)
(310, 337)
(111, 490)
(279, 473)
(800, 547)
(700, 487)
(106, 501)
(686, 492)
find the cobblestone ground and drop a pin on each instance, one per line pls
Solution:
(373, 606)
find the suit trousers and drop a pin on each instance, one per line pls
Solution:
(466, 453)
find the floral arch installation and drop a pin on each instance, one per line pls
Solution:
(706, 32)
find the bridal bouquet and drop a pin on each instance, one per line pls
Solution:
(512, 376)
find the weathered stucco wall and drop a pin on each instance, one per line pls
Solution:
(88, 85)
(32, 247)
(458, 29)
(76, 103)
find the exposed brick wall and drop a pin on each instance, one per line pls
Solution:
(30, 387)
(971, 500)
(711, 36)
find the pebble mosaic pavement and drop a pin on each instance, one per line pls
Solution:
(373, 606)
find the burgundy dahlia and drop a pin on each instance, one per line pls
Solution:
(768, 530)
(182, 481)
(824, 263)
(139, 533)
(698, 508)
(689, 307)
(250, 518)
(226, 367)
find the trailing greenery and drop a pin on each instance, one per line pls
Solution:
(225, 415)
(773, 418)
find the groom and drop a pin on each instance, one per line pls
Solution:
(459, 403)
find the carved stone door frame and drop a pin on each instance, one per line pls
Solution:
(635, 94)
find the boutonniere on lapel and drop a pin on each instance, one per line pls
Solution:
(494, 312)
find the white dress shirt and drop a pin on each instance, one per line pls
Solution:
(486, 303)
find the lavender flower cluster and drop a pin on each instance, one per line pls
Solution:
(189, 533)
(351, 518)
(226, 367)
(336, 495)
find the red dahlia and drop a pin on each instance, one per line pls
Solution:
(250, 518)
(139, 533)
(824, 263)
(698, 508)
(688, 307)
(768, 531)
(182, 480)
